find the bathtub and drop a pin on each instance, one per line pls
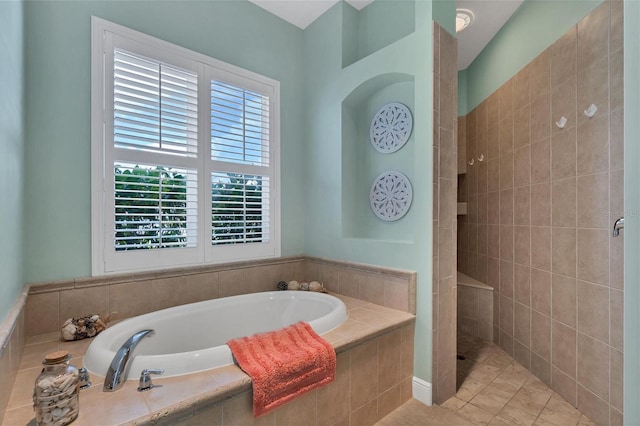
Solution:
(191, 338)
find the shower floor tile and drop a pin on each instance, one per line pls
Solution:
(493, 389)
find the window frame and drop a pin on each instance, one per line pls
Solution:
(105, 259)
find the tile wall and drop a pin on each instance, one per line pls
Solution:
(372, 380)
(475, 308)
(124, 296)
(445, 92)
(388, 287)
(540, 211)
(44, 306)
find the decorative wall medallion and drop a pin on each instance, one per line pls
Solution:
(390, 128)
(391, 196)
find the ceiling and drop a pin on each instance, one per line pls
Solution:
(490, 16)
(303, 12)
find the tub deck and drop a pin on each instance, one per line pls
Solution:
(181, 396)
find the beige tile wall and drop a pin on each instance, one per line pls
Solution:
(445, 156)
(541, 210)
(372, 380)
(388, 287)
(475, 312)
(124, 296)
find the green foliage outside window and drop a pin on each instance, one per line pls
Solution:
(150, 207)
(236, 209)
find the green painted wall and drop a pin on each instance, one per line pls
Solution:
(462, 93)
(444, 13)
(58, 48)
(532, 28)
(339, 103)
(383, 22)
(314, 84)
(632, 218)
(12, 139)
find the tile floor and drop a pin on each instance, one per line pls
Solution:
(493, 389)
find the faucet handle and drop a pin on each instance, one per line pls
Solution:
(83, 377)
(145, 379)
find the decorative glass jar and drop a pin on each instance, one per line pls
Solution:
(55, 394)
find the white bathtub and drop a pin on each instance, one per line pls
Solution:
(192, 337)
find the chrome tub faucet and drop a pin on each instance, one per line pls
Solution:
(116, 375)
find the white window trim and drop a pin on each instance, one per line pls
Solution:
(102, 157)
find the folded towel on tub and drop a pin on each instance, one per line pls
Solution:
(284, 364)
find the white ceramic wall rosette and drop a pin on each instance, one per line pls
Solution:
(390, 128)
(391, 196)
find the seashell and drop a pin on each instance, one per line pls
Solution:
(64, 384)
(293, 285)
(304, 286)
(80, 328)
(56, 413)
(68, 331)
(45, 384)
(315, 286)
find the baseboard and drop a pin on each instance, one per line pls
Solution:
(421, 391)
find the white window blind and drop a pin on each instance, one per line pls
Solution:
(155, 207)
(155, 106)
(239, 208)
(240, 135)
(239, 125)
(185, 156)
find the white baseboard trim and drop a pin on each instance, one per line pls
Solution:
(421, 391)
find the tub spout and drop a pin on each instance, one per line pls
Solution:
(116, 375)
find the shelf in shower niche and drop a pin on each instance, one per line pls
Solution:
(462, 209)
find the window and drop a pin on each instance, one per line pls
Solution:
(185, 153)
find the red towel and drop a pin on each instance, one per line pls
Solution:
(284, 364)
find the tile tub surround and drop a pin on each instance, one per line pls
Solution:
(541, 208)
(475, 308)
(393, 288)
(375, 366)
(128, 295)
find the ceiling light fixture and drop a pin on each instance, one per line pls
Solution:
(464, 18)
